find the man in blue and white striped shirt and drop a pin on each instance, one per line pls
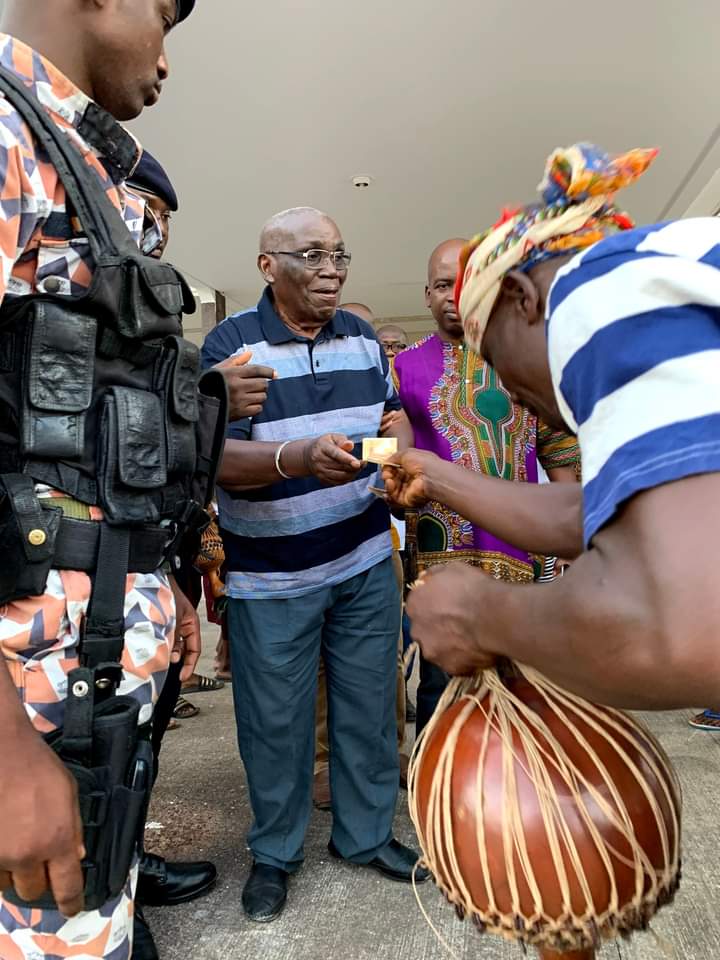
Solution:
(619, 342)
(308, 555)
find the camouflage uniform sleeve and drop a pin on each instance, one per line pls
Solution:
(557, 449)
(23, 201)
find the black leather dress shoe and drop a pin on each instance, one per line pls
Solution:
(143, 944)
(265, 893)
(394, 861)
(163, 884)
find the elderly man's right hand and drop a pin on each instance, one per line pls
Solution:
(330, 459)
(409, 483)
(41, 838)
(247, 385)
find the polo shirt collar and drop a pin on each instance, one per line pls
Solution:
(275, 331)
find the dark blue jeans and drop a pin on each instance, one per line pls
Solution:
(275, 647)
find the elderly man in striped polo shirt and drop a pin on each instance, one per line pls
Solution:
(309, 563)
(613, 332)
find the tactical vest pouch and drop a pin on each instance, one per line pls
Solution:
(145, 297)
(27, 539)
(132, 456)
(60, 365)
(180, 386)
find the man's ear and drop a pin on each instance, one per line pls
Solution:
(519, 288)
(427, 297)
(265, 266)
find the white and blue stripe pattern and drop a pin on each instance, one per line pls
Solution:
(634, 345)
(295, 536)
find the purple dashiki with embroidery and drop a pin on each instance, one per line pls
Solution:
(460, 410)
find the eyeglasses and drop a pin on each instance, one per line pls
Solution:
(314, 259)
(393, 346)
(152, 235)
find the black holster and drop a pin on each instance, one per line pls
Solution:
(101, 743)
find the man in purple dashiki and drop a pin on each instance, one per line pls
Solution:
(459, 410)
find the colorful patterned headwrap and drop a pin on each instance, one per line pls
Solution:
(576, 210)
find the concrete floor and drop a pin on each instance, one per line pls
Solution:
(336, 912)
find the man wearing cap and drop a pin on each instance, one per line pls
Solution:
(152, 183)
(610, 331)
(162, 882)
(90, 66)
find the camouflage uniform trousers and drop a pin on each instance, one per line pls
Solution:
(39, 639)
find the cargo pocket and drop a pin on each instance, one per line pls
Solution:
(133, 460)
(60, 371)
(182, 405)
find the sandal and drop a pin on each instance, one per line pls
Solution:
(173, 724)
(184, 710)
(224, 676)
(199, 684)
(707, 720)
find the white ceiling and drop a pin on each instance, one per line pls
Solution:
(450, 105)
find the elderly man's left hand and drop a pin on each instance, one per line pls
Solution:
(247, 385)
(445, 616)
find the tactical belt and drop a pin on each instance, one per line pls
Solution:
(77, 543)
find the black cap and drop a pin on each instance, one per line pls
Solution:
(149, 176)
(184, 9)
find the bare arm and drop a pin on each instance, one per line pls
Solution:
(544, 519)
(250, 464)
(634, 624)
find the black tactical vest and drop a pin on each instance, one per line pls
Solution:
(99, 392)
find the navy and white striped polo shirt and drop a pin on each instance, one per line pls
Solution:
(296, 536)
(634, 344)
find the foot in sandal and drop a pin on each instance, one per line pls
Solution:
(200, 684)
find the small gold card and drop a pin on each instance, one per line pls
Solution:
(378, 449)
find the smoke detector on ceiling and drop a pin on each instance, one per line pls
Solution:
(362, 183)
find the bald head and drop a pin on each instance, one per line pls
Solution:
(282, 228)
(306, 292)
(440, 289)
(447, 252)
(360, 310)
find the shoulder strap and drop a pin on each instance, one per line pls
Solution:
(106, 230)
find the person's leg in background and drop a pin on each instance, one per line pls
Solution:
(275, 652)
(401, 693)
(222, 654)
(432, 685)
(321, 781)
(164, 882)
